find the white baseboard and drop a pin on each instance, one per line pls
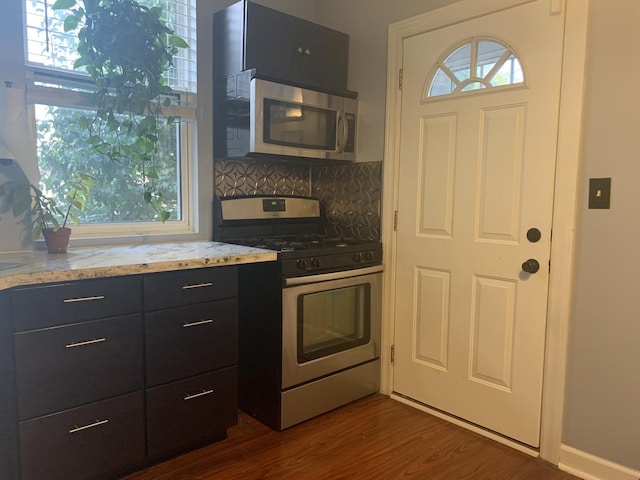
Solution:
(590, 467)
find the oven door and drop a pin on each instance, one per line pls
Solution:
(330, 322)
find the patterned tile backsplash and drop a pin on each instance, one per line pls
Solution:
(350, 193)
(251, 178)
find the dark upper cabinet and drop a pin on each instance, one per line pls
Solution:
(280, 47)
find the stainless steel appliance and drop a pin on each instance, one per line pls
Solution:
(309, 324)
(255, 117)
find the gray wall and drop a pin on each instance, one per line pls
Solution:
(602, 412)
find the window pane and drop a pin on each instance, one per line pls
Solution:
(509, 73)
(488, 54)
(63, 149)
(441, 85)
(473, 86)
(459, 62)
(48, 45)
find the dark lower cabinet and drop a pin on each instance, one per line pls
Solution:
(189, 412)
(84, 442)
(125, 371)
(8, 420)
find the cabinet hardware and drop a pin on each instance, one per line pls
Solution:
(307, 51)
(197, 285)
(201, 394)
(83, 299)
(97, 423)
(299, 49)
(195, 324)
(87, 342)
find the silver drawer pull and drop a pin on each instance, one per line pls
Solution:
(97, 423)
(86, 342)
(83, 299)
(197, 285)
(201, 394)
(195, 324)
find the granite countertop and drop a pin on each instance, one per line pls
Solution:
(97, 262)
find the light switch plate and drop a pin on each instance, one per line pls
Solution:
(599, 193)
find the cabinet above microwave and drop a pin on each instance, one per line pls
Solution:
(247, 36)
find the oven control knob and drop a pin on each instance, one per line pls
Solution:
(357, 257)
(315, 262)
(301, 264)
(367, 256)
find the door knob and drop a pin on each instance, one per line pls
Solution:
(531, 266)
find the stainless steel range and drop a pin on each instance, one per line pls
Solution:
(309, 323)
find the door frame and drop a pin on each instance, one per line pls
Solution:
(564, 205)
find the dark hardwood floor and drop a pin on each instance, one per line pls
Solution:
(374, 438)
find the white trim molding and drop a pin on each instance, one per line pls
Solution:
(566, 188)
(589, 467)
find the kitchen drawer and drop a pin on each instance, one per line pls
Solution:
(63, 367)
(192, 411)
(186, 341)
(84, 442)
(63, 303)
(186, 287)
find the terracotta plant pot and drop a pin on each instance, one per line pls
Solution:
(56, 241)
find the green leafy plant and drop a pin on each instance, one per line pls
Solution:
(45, 211)
(126, 48)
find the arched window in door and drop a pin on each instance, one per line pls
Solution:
(478, 64)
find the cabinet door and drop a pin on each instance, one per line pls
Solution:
(68, 366)
(191, 411)
(295, 50)
(85, 442)
(325, 57)
(272, 42)
(181, 342)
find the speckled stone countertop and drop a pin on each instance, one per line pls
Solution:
(97, 262)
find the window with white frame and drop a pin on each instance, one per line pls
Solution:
(56, 91)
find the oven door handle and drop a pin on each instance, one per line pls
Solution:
(325, 277)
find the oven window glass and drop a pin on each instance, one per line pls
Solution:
(333, 321)
(297, 125)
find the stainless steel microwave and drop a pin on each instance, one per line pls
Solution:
(255, 117)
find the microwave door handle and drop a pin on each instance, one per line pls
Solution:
(343, 134)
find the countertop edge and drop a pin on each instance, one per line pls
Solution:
(38, 272)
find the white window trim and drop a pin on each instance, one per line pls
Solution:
(40, 94)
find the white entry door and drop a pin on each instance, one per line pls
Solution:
(475, 198)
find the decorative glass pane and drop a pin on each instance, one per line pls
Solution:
(488, 55)
(494, 65)
(459, 62)
(509, 73)
(473, 86)
(441, 85)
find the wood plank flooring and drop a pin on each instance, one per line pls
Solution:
(375, 438)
